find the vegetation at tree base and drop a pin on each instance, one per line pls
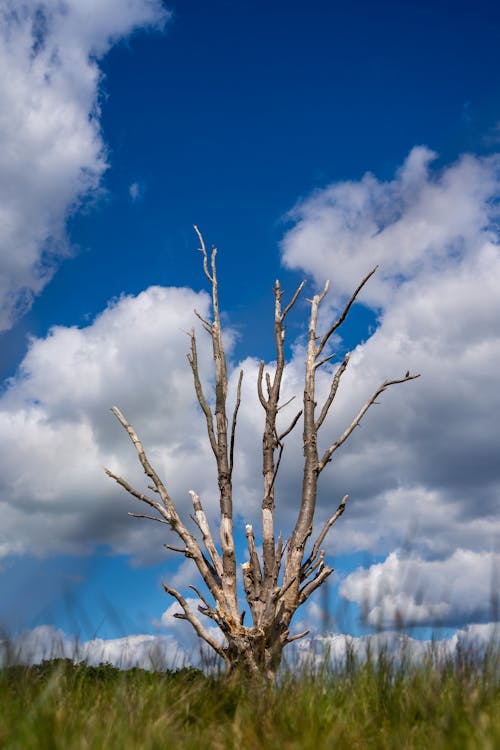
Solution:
(451, 703)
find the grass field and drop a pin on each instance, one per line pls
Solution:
(379, 704)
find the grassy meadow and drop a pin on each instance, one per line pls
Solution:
(436, 703)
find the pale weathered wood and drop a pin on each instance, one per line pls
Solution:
(283, 578)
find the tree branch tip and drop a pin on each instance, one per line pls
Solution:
(298, 636)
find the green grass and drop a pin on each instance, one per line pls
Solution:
(453, 704)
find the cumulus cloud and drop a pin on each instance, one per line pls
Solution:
(395, 645)
(165, 652)
(46, 642)
(420, 222)
(53, 155)
(54, 495)
(413, 591)
(424, 468)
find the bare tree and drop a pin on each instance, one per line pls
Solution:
(283, 578)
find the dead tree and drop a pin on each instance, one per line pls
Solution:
(284, 578)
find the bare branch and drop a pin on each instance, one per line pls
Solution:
(249, 584)
(323, 361)
(279, 547)
(333, 392)
(204, 251)
(290, 428)
(149, 518)
(207, 326)
(318, 563)
(281, 591)
(219, 439)
(276, 469)
(148, 469)
(297, 637)
(278, 556)
(207, 610)
(233, 425)
(167, 510)
(310, 587)
(260, 392)
(203, 526)
(268, 384)
(319, 541)
(140, 495)
(193, 361)
(303, 524)
(286, 403)
(200, 630)
(254, 558)
(343, 316)
(292, 301)
(386, 384)
(183, 550)
(318, 298)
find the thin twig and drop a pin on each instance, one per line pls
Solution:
(333, 392)
(290, 428)
(202, 523)
(329, 451)
(260, 391)
(233, 425)
(189, 615)
(310, 587)
(343, 316)
(149, 518)
(292, 301)
(193, 361)
(297, 636)
(322, 535)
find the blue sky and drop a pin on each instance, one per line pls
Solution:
(306, 141)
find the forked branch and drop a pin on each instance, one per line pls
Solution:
(345, 311)
(189, 615)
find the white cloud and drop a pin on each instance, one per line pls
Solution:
(53, 155)
(420, 223)
(135, 191)
(423, 470)
(46, 642)
(412, 591)
(164, 651)
(395, 645)
(55, 496)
